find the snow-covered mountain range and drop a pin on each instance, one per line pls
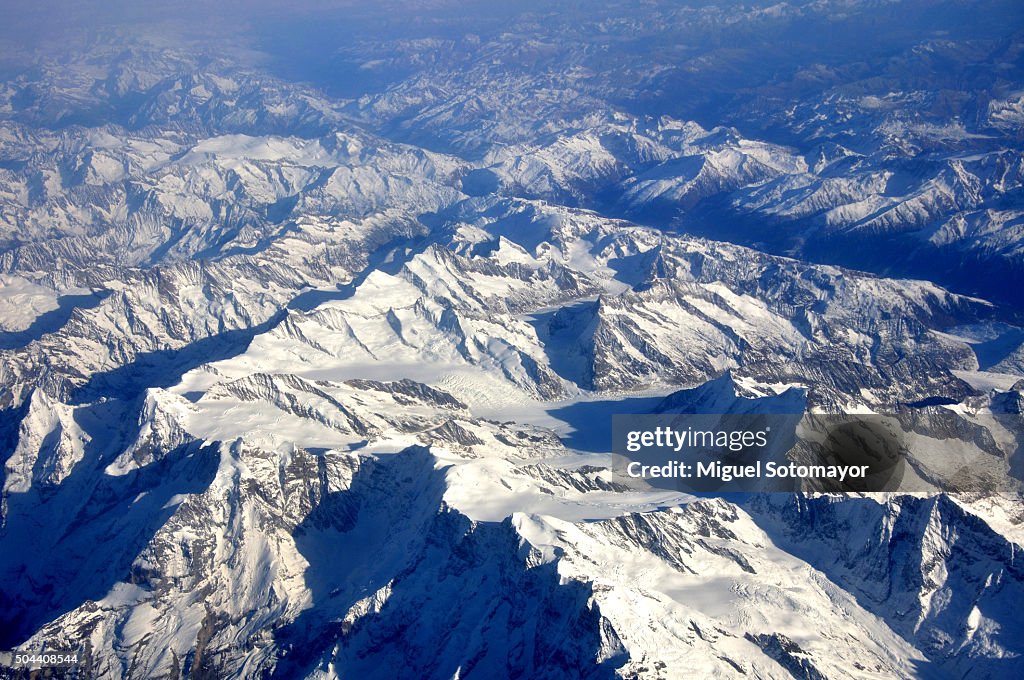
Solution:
(309, 353)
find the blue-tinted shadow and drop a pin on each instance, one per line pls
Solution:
(591, 421)
(53, 320)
